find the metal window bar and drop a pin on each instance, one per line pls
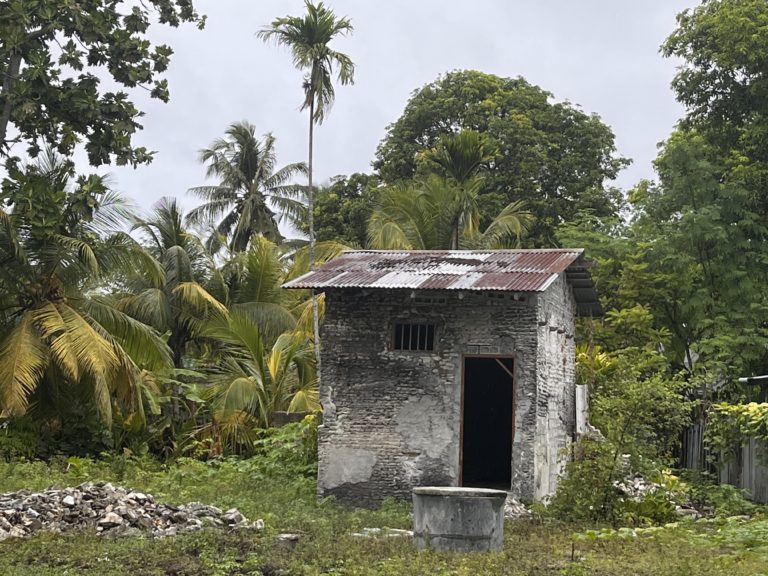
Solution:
(418, 337)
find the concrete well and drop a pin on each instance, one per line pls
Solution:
(449, 519)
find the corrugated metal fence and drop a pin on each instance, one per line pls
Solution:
(748, 471)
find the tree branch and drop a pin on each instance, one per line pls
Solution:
(10, 77)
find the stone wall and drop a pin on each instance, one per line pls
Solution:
(556, 376)
(392, 418)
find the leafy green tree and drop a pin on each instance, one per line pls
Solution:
(53, 57)
(343, 208)
(553, 156)
(169, 294)
(250, 183)
(308, 37)
(705, 235)
(723, 81)
(60, 338)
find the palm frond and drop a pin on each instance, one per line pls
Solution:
(95, 355)
(324, 252)
(84, 251)
(508, 227)
(142, 343)
(150, 306)
(208, 212)
(23, 359)
(196, 297)
(271, 319)
(53, 331)
(177, 265)
(308, 38)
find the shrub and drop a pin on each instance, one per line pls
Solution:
(590, 491)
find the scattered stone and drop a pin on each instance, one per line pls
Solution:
(112, 511)
(287, 540)
(233, 517)
(688, 512)
(637, 488)
(110, 520)
(383, 532)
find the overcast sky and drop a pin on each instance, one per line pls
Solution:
(602, 55)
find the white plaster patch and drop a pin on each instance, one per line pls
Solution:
(422, 423)
(346, 466)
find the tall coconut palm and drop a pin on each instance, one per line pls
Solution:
(249, 184)
(59, 338)
(308, 37)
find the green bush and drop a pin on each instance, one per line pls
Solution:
(723, 499)
(588, 491)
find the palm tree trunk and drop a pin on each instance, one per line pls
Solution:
(176, 344)
(311, 207)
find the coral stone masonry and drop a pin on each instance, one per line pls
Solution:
(448, 369)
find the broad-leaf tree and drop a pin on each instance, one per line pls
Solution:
(723, 81)
(53, 57)
(250, 185)
(343, 207)
(557, 159)
(60, 338)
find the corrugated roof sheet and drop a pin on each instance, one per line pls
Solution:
(501, 270)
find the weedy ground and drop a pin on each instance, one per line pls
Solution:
(287, 503)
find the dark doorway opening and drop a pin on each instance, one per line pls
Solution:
(488, 422)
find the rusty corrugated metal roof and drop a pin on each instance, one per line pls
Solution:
(501, 270)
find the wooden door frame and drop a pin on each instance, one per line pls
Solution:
(464, 358)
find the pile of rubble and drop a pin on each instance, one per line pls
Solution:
(637, 488)
(111, 510)
(514, 509)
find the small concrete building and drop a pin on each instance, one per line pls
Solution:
(448, 368)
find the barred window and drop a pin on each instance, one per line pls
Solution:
(415, 337)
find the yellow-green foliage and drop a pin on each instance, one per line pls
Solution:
(729, 425)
